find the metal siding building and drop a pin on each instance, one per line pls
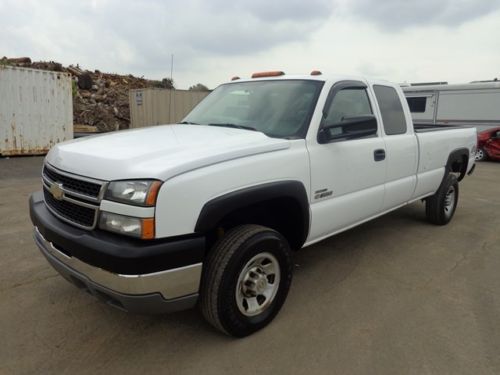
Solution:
(161, 106)
(36, 110)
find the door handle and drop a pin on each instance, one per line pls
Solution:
(379, 155)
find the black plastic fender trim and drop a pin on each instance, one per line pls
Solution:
(216, 209)
(456, 155)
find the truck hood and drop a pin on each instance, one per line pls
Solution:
(158, 152)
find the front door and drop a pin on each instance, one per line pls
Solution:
(347, 176)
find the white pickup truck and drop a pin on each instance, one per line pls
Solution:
(208, 211)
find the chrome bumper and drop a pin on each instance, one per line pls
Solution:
(170, 290)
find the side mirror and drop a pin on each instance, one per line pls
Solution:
(496, 135)
(349, 128)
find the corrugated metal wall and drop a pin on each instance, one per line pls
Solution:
(161, 106)
(36, 110)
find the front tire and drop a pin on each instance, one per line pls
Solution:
(441, 207)
(246, 280)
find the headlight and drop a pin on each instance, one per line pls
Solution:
(138, 192)
(130, 226)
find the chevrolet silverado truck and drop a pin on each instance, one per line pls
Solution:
(208, 212)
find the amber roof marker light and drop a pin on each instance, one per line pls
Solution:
(316, 73)
(274, 73)
(235, 78)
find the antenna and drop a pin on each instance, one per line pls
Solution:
(172, 68)
(172, 89)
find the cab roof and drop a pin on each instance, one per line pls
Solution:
(317, 76)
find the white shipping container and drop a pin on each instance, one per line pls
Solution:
(36, 110)
(153, 106)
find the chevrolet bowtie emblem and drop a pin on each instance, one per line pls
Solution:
(57, 191)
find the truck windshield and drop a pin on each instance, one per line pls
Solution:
(277, 108)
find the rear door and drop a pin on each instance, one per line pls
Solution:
(400, 145)
(347, 176)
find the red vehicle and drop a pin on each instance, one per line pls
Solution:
(488, 144)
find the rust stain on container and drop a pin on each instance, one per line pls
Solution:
(25, 151)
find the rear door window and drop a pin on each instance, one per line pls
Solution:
(391, 109)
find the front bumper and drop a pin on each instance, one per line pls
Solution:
(112, 252)
(170, 289)
(148, 301)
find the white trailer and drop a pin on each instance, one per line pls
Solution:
(36, 110)
(475, 104)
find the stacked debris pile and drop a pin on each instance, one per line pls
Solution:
(100, 99)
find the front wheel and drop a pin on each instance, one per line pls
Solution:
(246, 279)
(441, 207)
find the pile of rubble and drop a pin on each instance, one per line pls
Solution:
(100, 100)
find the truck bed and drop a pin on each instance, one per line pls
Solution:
(436, 143)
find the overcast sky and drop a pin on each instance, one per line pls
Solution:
(213, 40)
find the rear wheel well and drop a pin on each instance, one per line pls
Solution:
(458, 162)
(283, 214)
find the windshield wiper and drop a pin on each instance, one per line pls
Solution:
(236, 126)
(188, 123)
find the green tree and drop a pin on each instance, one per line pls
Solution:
(168, 83)
(165, 83)
(199, 87)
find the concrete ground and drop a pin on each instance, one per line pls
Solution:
(393, 296)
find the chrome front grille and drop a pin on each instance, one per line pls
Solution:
(83, 216)
(77, 199)
(79, 186)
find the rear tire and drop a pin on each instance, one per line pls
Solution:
(441, 207)
(246, 279)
